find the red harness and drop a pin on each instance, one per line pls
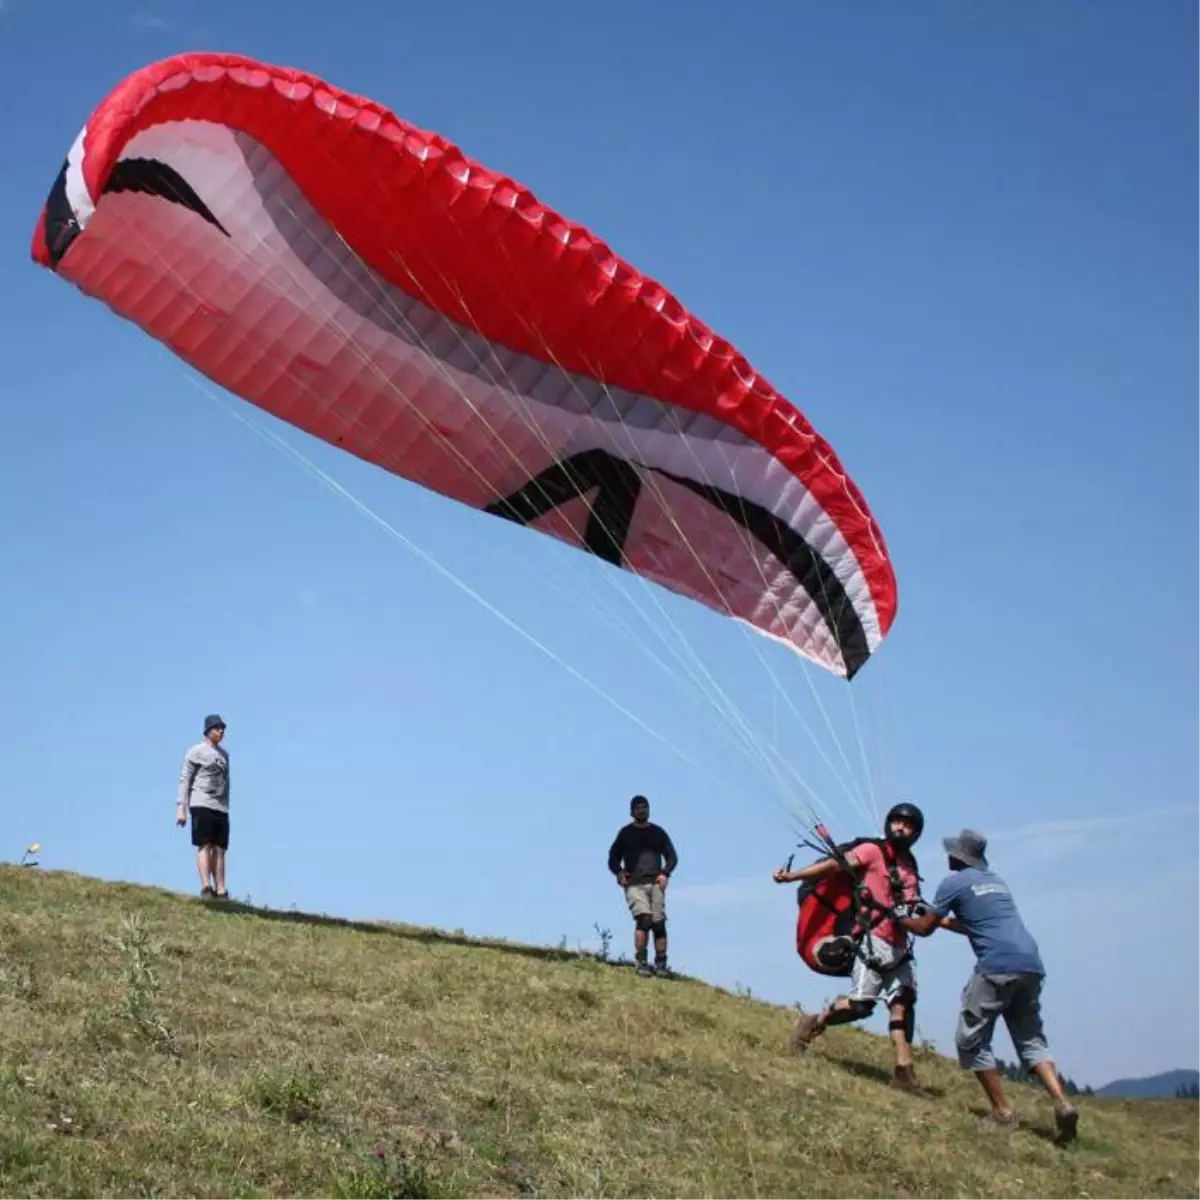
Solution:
(836, 913)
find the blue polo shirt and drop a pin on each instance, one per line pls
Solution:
(988, 914)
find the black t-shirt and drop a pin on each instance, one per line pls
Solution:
(645, 851)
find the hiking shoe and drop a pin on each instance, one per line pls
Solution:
(206, 892)
(661, 968)
(807, 1028)
(1066, 1121)
(905, 1079)
(1006, 1121)
(644, 969)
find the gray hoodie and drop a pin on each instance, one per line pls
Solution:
(204, 780)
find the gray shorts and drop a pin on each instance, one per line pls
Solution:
(885, 981)
(1016, 998)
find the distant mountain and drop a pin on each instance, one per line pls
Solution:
(1166, 1084)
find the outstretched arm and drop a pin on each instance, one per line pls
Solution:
(939, 913)
(928, 921)
(817, 870)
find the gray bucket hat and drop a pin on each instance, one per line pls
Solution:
(968, 846)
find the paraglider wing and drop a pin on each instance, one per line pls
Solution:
(364, 280)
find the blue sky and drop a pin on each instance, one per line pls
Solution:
(961, 238)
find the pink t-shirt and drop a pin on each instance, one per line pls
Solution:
(878, 883)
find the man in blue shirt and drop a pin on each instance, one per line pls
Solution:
(1006, 982)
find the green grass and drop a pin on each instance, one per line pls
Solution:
(152, 1045)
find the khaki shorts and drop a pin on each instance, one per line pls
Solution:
(646, 900)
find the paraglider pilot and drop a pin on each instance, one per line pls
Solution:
(642, 857)
(883, 966)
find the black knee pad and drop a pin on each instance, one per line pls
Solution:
(643, 922)
(659, 929)
(858, 1010)
(908, 1022)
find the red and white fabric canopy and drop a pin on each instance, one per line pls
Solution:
(366, 281)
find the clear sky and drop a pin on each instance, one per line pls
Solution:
(962, 238)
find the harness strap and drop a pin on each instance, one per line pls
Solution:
(880, 912)
(869, 913)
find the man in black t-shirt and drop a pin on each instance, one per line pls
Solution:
(642, 858)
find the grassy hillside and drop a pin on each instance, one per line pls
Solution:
(150, 1044)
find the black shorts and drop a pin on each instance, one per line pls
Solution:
(210, 828)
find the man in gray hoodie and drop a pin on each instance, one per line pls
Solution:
(204, 793)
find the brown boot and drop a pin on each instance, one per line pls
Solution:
(807, 1027)
(1066, 1121)
(905, 1078)
(1003, 1119)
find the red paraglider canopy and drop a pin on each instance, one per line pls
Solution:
(366, 281)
